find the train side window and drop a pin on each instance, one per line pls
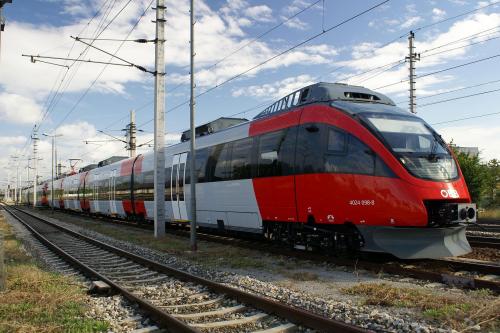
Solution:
(241, 159)
(336, 141)
(359, 159)
(222, 163)
(295, 99)
(201, 164)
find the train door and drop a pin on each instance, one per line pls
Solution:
(178, 176)
(112, 192)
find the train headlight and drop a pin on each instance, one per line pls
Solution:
(471, 213)
(463, 214)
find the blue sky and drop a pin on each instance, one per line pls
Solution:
(82, 106)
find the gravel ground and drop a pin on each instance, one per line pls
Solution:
(117, 311)
(319, 296)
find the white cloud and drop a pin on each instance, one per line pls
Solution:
(411, 21)
(438, 14)
(12, 140)
(367, 55)
(260, 13)
(277, 89)
(18, 109)
(486, 138)
(296, 23)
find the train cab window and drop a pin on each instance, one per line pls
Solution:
(241, 159)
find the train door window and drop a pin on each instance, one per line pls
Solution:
(222, 169)
(182, 167)
(241, 159)
(276, 153)
(310, 148)
(168, 182)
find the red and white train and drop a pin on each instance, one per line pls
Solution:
(329, 165)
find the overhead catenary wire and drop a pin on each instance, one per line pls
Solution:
(104, 68)
(467, 118)
(441, 70)
(460, 97)
(277, 55)
(452, 91)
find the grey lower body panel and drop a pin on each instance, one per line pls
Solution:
(416, 243)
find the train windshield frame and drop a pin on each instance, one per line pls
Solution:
(415, 144)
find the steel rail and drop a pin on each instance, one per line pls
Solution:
(390, 268)
(159, 316)
(293, 314)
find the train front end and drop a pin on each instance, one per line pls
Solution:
(427, 205)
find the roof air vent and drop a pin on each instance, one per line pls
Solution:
(358, 95)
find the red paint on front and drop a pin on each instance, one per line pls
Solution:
(339, 198)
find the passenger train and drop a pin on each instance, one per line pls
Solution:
(331, 165)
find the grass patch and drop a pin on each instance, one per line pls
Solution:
(39, 301)
(479, 306)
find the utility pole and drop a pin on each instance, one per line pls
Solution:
(52, 166)
(192, 171)
(131, 134)
(16, 183)
(159, 120)
(412, 58)
(35, 160)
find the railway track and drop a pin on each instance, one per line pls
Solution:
(175, 300)
(489, 242)
(447, 271)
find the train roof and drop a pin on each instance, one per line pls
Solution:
(325, 92)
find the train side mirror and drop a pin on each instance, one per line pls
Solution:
(312, 128)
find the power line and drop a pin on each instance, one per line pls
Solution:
(264, 34)
(452, 91)
(441, 71)
(461, 97)
(466, 118)
(276, 56)
(104, 68)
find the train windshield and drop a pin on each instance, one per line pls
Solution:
(419, 148)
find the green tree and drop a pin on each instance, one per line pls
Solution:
(492, 183)
(475, 174)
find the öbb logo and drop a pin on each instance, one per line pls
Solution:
(450, 193)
